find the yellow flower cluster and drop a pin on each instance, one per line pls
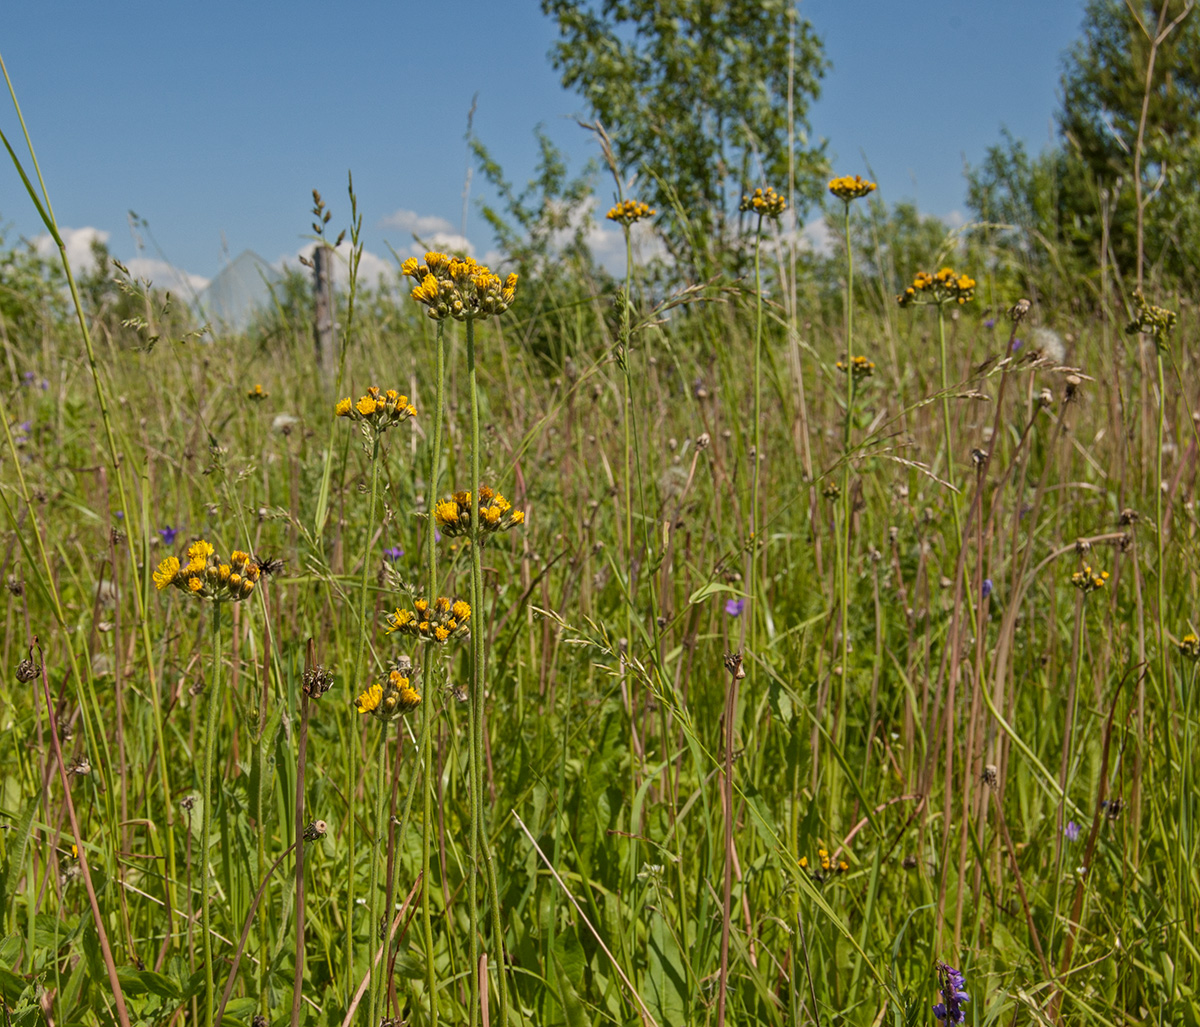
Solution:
(629, 211)
(1087, 580)
(1189, 646)
(766, 203)
(206, 577)
(453, 515)
(827, 864)
(384, 701)
(860, 366)
(947, 286)
(257, 394)
(458, 287)
(377, 410)
(1156, 322)
(443, 620)
(847, 188)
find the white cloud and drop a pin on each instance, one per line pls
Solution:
(164, 276)
(79, 247)
(425, 232)
(815, 236)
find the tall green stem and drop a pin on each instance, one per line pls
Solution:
(1158, 520)
(427, 670)
(958, 539)
(847, 501)
(752, 567)
(214, 698)
(378, 970)
(363, 635)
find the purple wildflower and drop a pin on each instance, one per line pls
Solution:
(28, 377)
(437, 535)
(1071, 831)
(990, 323)
(1016, 345)
(949, 1010)
(120, 515)
(734, 607)
(393, 554)
(987, 587)
(168, 534)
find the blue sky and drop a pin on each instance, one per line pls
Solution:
(214, 121)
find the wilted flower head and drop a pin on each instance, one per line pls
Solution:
(946, 286)
(860, 366)
(1156, 322)
(453, 515)
(1087, 580)
(1189, 646)
(458, 287)
(628, 211)
(377, 411)
(206, 577)
(384, 700)
(765, 203)
(848, 189)
(951, 985)
(438, 622)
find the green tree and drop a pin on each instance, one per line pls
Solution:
(1131, 114)
(694, 94)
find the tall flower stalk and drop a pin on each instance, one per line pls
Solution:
(375, 412)
(205, 576)
(470, 292)
(848, 190)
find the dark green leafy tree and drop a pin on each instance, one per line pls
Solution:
(694, 94)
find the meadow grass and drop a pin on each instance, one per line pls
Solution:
(962, 745)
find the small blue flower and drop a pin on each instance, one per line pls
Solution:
(1016, 345)
(954, 995)
(990, 323)
(393, 554)
(120, 515)
(1071, 831)
(734, 607)
(987, 587)
(28, 377)
(437, 535)
(168, 534)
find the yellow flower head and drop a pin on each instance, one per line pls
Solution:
(459, 287)
(376, 411)
(453, 515)
(946, 286)
(628, 212)
(257, 394)
(1189, 646)
(766, 203)
(848, 189)
(166, 573)
(438, 622)
(860, 367)
(1087, 580)
(369, 700)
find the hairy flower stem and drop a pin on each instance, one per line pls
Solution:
(378, 970)
(752, 563)
(214, 699)
(1158, 520)
(481, 861)
(427, 670)
(298, 845)
(359, 659)
(847, 499)
(946, 426)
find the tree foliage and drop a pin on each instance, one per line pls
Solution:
(694, 94)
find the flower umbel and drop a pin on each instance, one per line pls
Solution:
(376, 410)
(860, 366)
(629, 211)
(952, 986)
(765, 203)
(453, 515)
(438, 622)
(257, 394)
(206, 577)
(849, 188)
(1087, 580)
(387, 699)
(1189, 646)
(947, 286)
(1156, 322)
(458, 287)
